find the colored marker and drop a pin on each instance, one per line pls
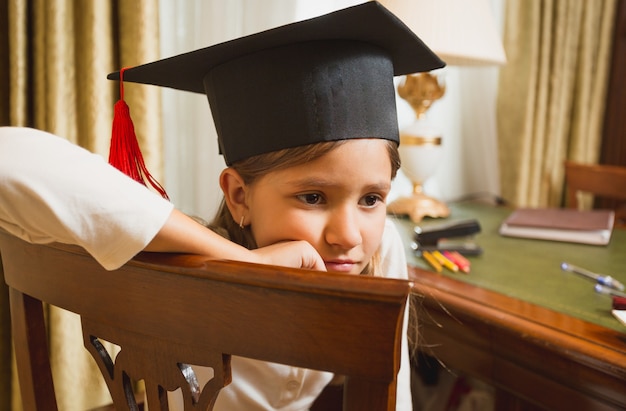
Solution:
(619, 303)
(445, 262)
(456, 257)
(426, 255)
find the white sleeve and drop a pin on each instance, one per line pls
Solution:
(52, 190)
(394, 265)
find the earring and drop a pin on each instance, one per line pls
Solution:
(241, 222)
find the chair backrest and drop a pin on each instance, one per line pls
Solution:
(602, 181)
(184, 309)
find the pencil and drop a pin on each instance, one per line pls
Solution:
(456, 257)
(426, 255)
(445, 261)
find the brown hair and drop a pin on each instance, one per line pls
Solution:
(252, 168)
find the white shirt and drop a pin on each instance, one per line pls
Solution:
(52, 190)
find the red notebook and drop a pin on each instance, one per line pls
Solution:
(560, 224)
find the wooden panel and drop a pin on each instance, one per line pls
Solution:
(613, 150)
(614, 138)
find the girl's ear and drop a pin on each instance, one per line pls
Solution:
(234, 190)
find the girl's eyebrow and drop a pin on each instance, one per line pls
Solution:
(321, 182)
(310, 181)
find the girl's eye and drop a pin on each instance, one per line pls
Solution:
(371, 200)
(310, 198)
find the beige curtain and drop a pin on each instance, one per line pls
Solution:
(551, 93)
(55, 58)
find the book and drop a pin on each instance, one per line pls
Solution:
(620, 315)
(560, 224)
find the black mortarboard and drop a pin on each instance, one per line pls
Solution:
(323, 79)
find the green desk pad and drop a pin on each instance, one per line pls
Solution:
(530, 270)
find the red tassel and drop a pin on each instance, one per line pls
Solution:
(125, 154)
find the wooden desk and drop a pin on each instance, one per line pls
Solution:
(567, 356)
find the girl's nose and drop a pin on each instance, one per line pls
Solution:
(343, 228)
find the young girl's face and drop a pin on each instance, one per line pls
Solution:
(336, 203)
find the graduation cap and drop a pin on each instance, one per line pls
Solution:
(323, 79)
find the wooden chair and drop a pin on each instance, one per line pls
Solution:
(168, 310)
(603, 181)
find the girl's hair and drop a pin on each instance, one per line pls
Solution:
(255, 167)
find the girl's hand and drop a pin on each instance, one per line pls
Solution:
(296, 254)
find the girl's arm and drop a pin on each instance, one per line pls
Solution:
(180, 233)
(52, 190)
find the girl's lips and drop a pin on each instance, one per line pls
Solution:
(342, 266)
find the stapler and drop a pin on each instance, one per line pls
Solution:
(452, 236)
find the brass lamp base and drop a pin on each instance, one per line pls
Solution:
(418, 206)
(420, 148)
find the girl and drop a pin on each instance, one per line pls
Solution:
(332, 195)
(306, 121)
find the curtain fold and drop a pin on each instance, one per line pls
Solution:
(551, 93)
(57, 55)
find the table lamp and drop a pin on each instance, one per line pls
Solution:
(462, 33)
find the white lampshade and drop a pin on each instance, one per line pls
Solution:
(461, 32)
